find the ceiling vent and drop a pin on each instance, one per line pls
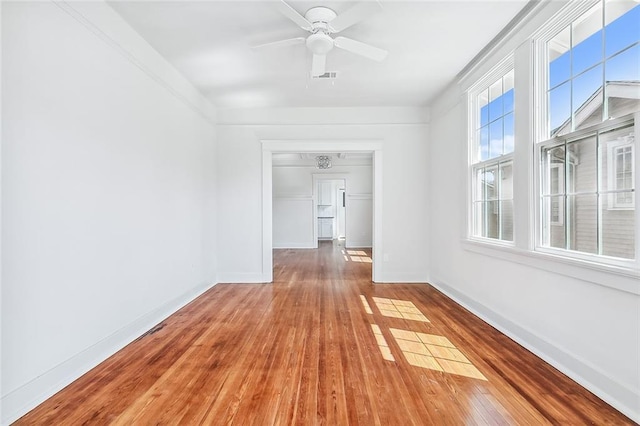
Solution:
(330, 75)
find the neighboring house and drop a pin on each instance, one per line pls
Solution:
(612, 156)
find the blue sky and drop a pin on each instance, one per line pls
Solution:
(610, 54)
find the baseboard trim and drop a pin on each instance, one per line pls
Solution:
(25, 398)
(307, 245)
(583, 372)
(359, 245)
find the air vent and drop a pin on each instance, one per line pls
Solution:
(327, 75)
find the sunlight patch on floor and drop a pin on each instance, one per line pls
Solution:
(358, 256)
(382, 343)
(395, 308)
(367, 308)
(435, 353)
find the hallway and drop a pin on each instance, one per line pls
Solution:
(323, 345)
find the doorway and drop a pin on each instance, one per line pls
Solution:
(373, 147)
(330, 206)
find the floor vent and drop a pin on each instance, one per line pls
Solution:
(330, 75)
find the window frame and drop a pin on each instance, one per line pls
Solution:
(474, 163)
(612, 172)
(542, 137)
(539, 195)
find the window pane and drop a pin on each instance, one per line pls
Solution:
(484, 143)
(483, 102)
(553, 222)
(587, 98)
(618, 230)
(587, 24)
(582, 166)
(495, 100)
(559, 58)
(553, 170)
(622, 28)
(615, 158)
(506, 181)
(509, 135)
(582, 221)
(560, 109)
(625, 66)
(506, 220)
(508, 101)
(495, 138)
(489, 184)
(587, 53)
(508, 81)
(491, 211)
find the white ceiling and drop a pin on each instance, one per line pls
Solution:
(429, 42)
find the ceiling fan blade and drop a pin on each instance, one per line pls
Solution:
(281, 43)
(354, 15)
(318, 65)
(293, 14)
(360, 48)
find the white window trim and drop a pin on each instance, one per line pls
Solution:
(527, 64)
(473, 163)
(545, 33)
(561, 193)
(604, 261)
(565, 16)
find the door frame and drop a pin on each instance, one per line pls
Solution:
(316, 178)
(269, 146)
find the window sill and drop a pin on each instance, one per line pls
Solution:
(616, 277)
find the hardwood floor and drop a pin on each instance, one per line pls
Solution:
(304, 350)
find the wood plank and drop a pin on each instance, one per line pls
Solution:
(302, 351)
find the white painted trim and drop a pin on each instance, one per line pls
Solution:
(308, 245)
(315, 177)
(617, 278)
(359, 244)
(377, 249)
(319, 146)
(104, 23)
(590, 376)
(1, 209)
(23, 399)
(267, 219)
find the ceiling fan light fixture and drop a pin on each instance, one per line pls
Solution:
(323, 162)
(319, 43)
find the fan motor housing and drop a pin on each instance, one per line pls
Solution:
(320, 16)
(319, 43)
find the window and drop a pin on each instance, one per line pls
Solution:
(620, 177)
(590, 86)
(587, 192)
(492, 142)
(593, 67)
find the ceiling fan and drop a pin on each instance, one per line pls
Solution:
(321, 22)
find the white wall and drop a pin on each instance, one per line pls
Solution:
(403, 133)
(571, 316)
(293, 205)
(108, 193)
